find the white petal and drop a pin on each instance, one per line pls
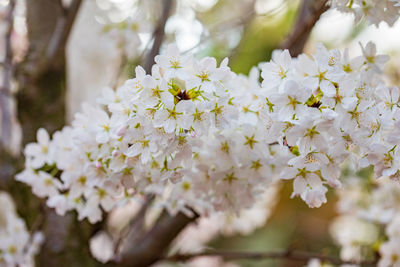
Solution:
(42, 136)
(102, 247)
(299, 185)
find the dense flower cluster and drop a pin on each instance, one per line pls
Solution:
(374, 11)
(328, 109)
(17, 246)
(200, 136)
(186, 133)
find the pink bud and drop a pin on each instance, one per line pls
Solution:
(122, 130)
(98, 164)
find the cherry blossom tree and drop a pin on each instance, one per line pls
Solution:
(186, 149)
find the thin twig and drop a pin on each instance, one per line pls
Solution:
(7, 75)
(124, 61)
(157, 39)
(159, 34)
(310, 12)
(290, 255)
(227, 24)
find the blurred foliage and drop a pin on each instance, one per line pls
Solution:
(263, 35)
(293, 225)
(236, 31)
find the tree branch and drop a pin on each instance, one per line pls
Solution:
(290, 255)
(151, 246)
(310, 12)
(64, 25)
(158, 34)
(59, 38)
(136, 224)
(8, 69)
(41, 103)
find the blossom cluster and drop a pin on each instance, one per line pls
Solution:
(330, 109)
(200, 137)
(374, 11)
(17, 246)
(186, 133)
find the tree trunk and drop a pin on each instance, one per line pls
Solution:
(41, 98)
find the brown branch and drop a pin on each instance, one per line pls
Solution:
(60, 3)
(6, 119)
(310, 12)
(59, 38)
(159, 34)
(64, 25)
(135, 225)
(151, 246)
(41, 103)
(290, 255)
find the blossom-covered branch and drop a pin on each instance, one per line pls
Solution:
(166, 129)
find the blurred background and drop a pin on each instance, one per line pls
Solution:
(110, 37)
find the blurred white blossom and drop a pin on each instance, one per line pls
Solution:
(17, 246)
